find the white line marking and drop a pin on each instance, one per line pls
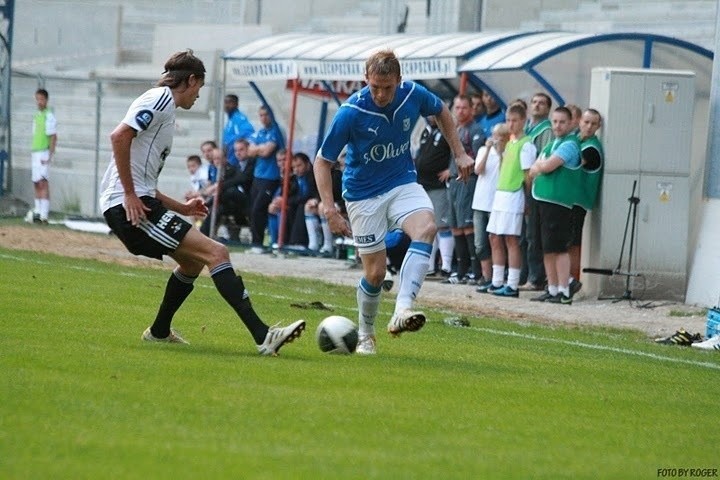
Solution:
(574, 343)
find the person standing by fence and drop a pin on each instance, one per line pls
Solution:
(44, 141)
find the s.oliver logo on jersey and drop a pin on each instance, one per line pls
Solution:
(143, 118)
(380, 153)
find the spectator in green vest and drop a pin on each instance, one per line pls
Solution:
(44, 140)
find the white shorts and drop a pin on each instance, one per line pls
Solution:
(505, 223)
(372, 218)
(40, 169)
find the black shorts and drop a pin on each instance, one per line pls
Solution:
(554, 227)
(158, 235)
(577, 220)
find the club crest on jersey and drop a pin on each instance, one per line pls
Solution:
(406, 124)
(143, 119)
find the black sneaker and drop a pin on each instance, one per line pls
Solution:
(542, 298)
(575, 287)
(560, 298)
(681, 337)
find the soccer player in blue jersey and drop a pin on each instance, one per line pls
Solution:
(380, 186)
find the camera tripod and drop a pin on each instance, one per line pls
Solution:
(633, 202)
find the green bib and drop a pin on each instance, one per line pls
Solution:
(40, 140)
(533, 132)
(511, 176)
(561, 186)
(591, 179)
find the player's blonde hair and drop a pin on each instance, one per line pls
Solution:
(383, 63)
(179, 67)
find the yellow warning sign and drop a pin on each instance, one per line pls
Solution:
(669, 91)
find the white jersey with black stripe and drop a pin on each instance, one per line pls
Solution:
(152, 116)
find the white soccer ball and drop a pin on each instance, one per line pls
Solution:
(337, 334)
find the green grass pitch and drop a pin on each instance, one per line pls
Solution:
(82, 397)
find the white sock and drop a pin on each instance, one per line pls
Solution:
(37, 206)
(553, 290)
(498, 275)
(412, 274)
(312, 224)
(446, 245)
(44, 208)
(327, 234)
(433, 253)
(368, 300)
(564, 290)
(513, 277)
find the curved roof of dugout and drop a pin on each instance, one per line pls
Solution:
(510, 64)
(560, 63)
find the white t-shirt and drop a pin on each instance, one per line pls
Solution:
(152, 116)
(487, 181)
(514, 202)
(199, 179)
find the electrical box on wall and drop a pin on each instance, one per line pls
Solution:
(647, 141)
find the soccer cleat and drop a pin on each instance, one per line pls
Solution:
(366, 345)
(712, 343)
(681, 337)
(484, 287)
(279, 336)
(174, 337)
(542, 298)
(454, 279)
(575, 287)
(405, 321)
(560, 298)
(506, 291)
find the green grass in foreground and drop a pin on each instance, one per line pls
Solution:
(82, 397)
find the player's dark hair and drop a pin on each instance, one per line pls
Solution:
(43, 92)
(564, 110)
(209, 142)
(519, 101)
(180, 67)
(383, 63)
(547, 98)
(195, 159)
(517, 109)
(233, 97)
(594, 112)
(302, 156)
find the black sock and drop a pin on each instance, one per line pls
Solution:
(232, 289)
(474, 263)
(463, 255)
(177, 290)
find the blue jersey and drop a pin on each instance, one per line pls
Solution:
(236, 127)
(266, 167)
(378, 139)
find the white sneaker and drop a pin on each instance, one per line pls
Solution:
(366, 345)
(712, 343)
(406, 321)
(223, 233)
(174, 337)
(388, 282)
(277, 337)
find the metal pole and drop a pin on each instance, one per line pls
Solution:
(98, 109)
(288, 160)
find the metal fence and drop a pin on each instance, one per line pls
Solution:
(87, 110)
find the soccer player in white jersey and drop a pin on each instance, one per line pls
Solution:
(380, 186)
(145, 220)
